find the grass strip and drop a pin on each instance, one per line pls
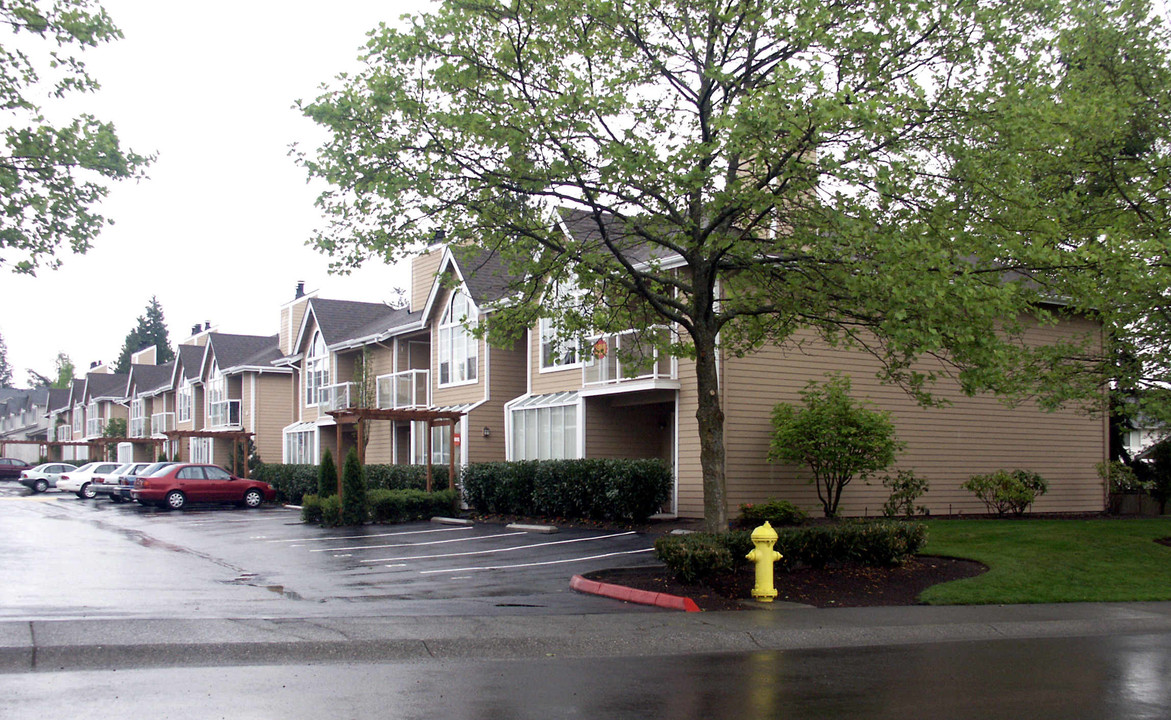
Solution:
(1049, 561)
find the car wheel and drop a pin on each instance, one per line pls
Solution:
(41, 485)
(253, 498)
(175, 500)
(87, 491)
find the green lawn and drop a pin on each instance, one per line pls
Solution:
(1039, 561)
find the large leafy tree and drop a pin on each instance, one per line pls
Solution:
(62, 374)
(923, 181)
(151, 329)
(53, 174)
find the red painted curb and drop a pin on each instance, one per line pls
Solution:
(641, 597)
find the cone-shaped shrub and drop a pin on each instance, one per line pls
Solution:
(326, 476)
(355, 510)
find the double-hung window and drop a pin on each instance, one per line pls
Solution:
(458, 348)
(184, 399)
(316, 369)
(557, 350)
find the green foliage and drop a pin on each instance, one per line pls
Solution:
(61, 377)
(1120, 478)
(1160, 473)
(355, 509)
(774, 512)
(162, 456)
(151, 329)
(836, 436)
(598, 489)
(397, 506)
(326, 475)
(53, 175)
(695, 557)
(405, 477)
(291, 482)
(1003, 491)
(311, 509)
(115, 428)
(331, 512)
(905, 490)
(5, 367)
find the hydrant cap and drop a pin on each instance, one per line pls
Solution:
(764, 533)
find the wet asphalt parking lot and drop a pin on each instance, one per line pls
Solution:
(68, 557)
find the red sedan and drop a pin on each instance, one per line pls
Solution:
(173, 486)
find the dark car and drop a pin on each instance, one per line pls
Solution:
(126, 482)
(174, 486)
(10, 468)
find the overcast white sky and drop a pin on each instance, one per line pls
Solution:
(217, 233)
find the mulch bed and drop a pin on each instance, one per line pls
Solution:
(844, 586)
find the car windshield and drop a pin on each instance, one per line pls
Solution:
(121, 469)
(87, 466)
(152, 468)
(161, 471)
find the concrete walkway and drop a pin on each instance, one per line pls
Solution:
(52, 645)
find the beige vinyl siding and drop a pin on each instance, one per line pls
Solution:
(688, 473)
(272, 413)
(309, 413)
(379, 432)
(608, 430)
(506, 376)
(456, 394)
(944, 445)
(423, 269)
(291, 317)
(549, 381)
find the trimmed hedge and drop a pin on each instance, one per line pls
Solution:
(292, 482)
(396, 506)
(883, 543)
(596, 489)
(775, 512)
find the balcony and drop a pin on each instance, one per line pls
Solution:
(161, 423)
(94, 427)
(404, 390)
(624, 358)
(337, 397)
(225, 413)
(137, 427)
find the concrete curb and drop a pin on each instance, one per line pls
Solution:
(640, 597)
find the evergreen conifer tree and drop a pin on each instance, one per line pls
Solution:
(326, 476)
(354, 503)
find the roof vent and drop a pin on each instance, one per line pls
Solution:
(195, 329)
(300, 290)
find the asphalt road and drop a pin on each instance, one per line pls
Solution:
(1101, 678)
(65, 557)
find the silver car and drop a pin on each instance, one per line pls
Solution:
(42, 477)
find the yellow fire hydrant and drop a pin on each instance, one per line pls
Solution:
(764, 538)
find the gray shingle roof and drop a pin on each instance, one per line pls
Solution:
(190, 357)
(148, 378)
(244, 350)
(344, 320)
(583, 226)
(58, 399)
(484, 272)
(98, 385)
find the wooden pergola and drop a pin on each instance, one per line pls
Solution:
(235, 436)
(93, 446)
(361, 416)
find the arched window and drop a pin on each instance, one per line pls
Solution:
(458, 349)
(316, 369)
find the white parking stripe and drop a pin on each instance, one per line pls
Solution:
(498, 550)
(536, 564)
(432, 542)
(361, 537)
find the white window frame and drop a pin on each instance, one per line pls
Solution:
(546, 431)
(566, 352)
(317, 370)
(302, 446)
(440, 443)
(458, 350)
(184, 401)
(202, 450)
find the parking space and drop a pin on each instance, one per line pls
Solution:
(265, 561)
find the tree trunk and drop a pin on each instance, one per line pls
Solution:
(710, 416)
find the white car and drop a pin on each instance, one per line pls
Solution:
(81, 480)
(42, 477)
(107, 484)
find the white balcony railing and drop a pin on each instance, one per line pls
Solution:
(623, 357)
(137, 427)
(337, 397)
(161, 423)
(404, 390)
(94, 426)
(224, 413)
